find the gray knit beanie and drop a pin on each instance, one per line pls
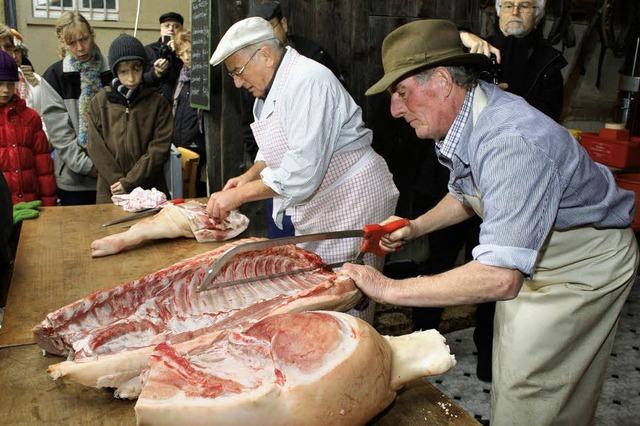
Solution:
(125, 48)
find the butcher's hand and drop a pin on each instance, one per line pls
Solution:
(398, 238)
(476, 44)
(222, 202)
(235, 182)
(369, 280)
(117, 189)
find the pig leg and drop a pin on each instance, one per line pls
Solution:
(168, 223)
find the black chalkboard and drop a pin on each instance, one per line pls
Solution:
(200, 53)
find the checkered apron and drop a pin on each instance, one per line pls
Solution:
(357, 189)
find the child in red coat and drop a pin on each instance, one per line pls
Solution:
(24, 149)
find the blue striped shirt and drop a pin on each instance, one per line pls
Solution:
(532, 176)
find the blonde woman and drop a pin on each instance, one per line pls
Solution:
(68, 86)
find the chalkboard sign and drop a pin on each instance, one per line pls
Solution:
(200, 53)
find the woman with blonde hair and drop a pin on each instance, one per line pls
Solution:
(68, 86)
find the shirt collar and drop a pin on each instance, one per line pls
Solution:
(447, 146)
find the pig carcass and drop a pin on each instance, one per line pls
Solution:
(188, 220)
(109, 335)
(312, 368)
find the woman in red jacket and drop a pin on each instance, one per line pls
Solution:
(24, 149)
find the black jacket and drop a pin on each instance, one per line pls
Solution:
(305, 47)
(535, 74)
(167, 82)
(187, 129)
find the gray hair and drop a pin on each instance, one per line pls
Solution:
(539, 10)
(273, 43)
(462, 76)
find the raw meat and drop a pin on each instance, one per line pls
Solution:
(312, 368)
(110, 334)
(187, 220)
(139, 199)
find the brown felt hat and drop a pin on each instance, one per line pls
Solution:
(422, 44)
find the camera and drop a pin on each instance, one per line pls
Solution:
(165, 51)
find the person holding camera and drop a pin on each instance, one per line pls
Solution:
(163, 66)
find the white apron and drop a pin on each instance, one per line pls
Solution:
(357, 189)
(552, 342)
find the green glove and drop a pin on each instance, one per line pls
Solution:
(34, 205)
(22, 214)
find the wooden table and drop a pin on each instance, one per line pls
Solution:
(53, 268)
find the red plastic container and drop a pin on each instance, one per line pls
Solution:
(631, 181)
(612, 147)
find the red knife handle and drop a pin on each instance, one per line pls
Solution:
(374, 232)
(177, 201)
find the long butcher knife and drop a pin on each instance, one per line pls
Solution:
(370, 234)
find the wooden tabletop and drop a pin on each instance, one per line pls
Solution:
(53, 268)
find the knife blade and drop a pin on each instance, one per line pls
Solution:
(142, 213)
(370, 234)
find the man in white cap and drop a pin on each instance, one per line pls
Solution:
(315, 157)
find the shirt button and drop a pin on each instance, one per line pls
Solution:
(14, 145)
(17, 171)
(19, 195)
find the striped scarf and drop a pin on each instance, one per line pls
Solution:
(90, 85)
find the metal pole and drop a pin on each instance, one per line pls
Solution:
(10, 13)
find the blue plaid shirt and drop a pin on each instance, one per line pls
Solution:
(532, 176)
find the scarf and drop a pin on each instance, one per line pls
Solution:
(90, 85)
(515, 53)
(183, 78)
(128, 95)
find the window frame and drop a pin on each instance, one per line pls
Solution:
(43, 9)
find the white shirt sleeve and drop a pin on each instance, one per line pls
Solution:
(311, 117)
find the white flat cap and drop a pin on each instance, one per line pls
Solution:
(242, 34)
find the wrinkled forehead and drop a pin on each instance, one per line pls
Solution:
(236, 60)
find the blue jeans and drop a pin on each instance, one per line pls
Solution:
(272, 230)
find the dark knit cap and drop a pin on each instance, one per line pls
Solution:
(268, 10)
(8, 67)
(126, 48)
(172, 16)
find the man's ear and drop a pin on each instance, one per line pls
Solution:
(445, 80)
(285, 25)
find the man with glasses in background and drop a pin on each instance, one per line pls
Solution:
(315, 157)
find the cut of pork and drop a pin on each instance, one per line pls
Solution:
(312, 368)
(188, 220)
(109, 335)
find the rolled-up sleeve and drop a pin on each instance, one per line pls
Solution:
(521, 192)
(311, 121)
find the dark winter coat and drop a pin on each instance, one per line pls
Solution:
(535, 74)
(129, 144)
(167, 82)
(25, 160)
(187, 131)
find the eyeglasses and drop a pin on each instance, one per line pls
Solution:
(238, 73)
(525, 7)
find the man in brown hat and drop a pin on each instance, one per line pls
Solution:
(555, 247)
